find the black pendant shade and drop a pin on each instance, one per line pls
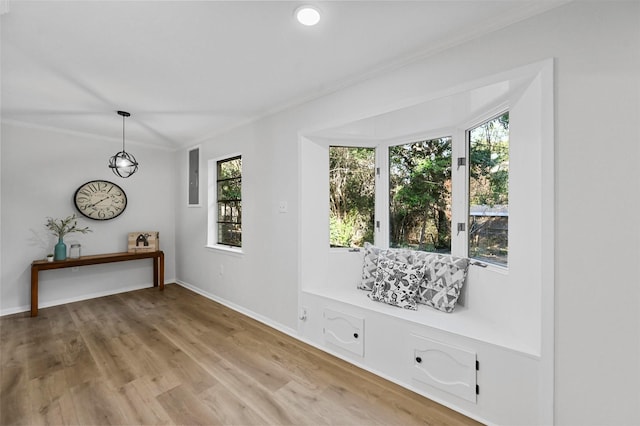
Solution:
(123, 164)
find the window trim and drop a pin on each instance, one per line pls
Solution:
(212, 213)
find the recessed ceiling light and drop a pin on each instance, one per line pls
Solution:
(308, 15)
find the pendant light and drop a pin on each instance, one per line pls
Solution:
(123, 163)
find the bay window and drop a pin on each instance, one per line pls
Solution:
(414, 179)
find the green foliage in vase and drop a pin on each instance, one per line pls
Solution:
(62, 227)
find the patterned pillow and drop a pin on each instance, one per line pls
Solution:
(369, 266)
(401, 255)
(412, 257)
(397, 283)
(444, 277)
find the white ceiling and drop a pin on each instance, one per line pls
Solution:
(189, 70)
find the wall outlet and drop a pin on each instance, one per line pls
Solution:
(283, 207)
(303, 314)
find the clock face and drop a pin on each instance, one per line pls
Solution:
(100, 200)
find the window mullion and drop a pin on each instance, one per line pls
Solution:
(382, 196)
(459, 193)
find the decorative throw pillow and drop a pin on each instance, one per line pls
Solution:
(444, 276)
(412, 257)
(397, 283)
(401, 255)
(417, 257)
(369, 266)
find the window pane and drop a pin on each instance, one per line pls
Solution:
(351, 196)
(230, 189)
(229, 200)
(420, 195)
(230, 168)
(229, 234)
(229, 211)
(489, 190)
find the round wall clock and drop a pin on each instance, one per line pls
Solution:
(100, 200)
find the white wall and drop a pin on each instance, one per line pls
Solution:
(259, 280)
(41, 170)
(596, 46)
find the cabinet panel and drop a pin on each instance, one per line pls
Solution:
(445, 367)
(344, 331)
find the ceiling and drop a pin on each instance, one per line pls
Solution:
(188, 70)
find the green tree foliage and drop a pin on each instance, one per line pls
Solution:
(489, 190)
(489, 162)
(230, 179)
(351, 196)
(420, 195)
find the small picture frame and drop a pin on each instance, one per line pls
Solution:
(143, 241)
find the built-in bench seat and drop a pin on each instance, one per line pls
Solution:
(463, 321)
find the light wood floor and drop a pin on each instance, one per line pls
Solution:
(174, 357)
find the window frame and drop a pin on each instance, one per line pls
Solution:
(448, 134)
(348, 144)
(383, 201)
(483, 119)
(459, 182)
(212, 216)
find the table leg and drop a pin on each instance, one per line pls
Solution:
(161, 271)
(34, 292)
(155, 271)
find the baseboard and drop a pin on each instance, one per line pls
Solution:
(251, 314)
(57, 302)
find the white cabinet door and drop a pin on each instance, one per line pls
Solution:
(344, 331)
(445, 367)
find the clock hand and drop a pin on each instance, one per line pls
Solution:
(97, 202)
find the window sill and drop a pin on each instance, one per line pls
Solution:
(225, 249)
(493, 267)
(346, 249)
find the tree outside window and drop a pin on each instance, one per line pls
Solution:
(229, 201)
(351, 196)
(489, 190)
(420, 195)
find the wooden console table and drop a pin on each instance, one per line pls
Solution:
(43, 265)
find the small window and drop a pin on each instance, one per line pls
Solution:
(351, 196)
(420, 195)
(489, 190)
(229, 201)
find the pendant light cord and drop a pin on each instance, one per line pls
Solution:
(124, 115)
